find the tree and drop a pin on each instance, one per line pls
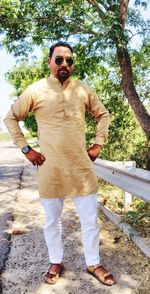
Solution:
(96, 25)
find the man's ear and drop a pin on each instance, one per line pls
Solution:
(49, 60)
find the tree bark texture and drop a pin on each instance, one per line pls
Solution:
(127, 79)
(130, 91)
(148, 159)
(132, 96)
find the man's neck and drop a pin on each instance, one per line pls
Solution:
(60, 80)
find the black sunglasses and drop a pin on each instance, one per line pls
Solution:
(59, 60)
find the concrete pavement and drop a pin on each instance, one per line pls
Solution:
(28, 258)
(10, 175)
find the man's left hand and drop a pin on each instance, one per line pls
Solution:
(94, 151)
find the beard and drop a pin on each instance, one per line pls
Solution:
(63, 74)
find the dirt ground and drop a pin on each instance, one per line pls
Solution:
(28, 258)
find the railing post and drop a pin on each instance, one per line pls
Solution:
(127, 200)
(128, 197)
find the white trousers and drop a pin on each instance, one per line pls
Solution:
(87, 209)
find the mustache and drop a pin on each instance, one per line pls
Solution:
(64, 68)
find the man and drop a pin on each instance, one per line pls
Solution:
(64, 165)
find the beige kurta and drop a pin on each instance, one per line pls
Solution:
(60, 115)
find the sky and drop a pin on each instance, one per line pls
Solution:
(7, 61)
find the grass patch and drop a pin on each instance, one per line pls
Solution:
(137, 215)
(4, 137)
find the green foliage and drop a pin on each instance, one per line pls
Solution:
(126, 140)
(26, 73)
(30, 124)
(141, 65)
(95, 31)
(25, 23)
(139, 217)
(4, 136)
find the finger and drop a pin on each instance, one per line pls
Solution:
(40, 161)
(92, 158)
(42, 158)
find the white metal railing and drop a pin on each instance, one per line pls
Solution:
(132, 180)
(125, 175)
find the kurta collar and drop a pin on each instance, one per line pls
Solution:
(52, 79)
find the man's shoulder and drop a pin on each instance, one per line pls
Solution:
(38, 84)
(81, 84)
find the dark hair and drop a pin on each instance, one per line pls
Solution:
(58, 44)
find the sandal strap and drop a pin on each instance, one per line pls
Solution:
(106, 275)
(92, 268)
(102, 277)
(53, 273)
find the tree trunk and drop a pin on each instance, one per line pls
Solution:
(131, 94)
(127, 78)
(148, 158)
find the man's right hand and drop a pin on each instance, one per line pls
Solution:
(35, 157)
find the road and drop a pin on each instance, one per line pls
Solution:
(28, 258)
(6, 150)
(11, 165)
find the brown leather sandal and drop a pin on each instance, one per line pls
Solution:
(51, 277)
(104, 277)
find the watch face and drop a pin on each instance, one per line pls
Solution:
(25, 149)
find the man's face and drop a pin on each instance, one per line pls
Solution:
(62, 70)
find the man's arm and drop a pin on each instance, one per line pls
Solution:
(18, 112)
(98, 110)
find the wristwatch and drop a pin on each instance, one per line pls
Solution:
(26, 149)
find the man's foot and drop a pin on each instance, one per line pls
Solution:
(101, 274)
(53, 273)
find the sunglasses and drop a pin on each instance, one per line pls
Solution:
(59, 60)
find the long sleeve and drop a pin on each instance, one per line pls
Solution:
(98, 110)
(19, 110)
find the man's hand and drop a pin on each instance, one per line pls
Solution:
(94, 151)
(35, 157)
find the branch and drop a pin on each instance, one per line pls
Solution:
(103, 4)
(78, 26)
(83, 31)
(97, 8)
(138, 33)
